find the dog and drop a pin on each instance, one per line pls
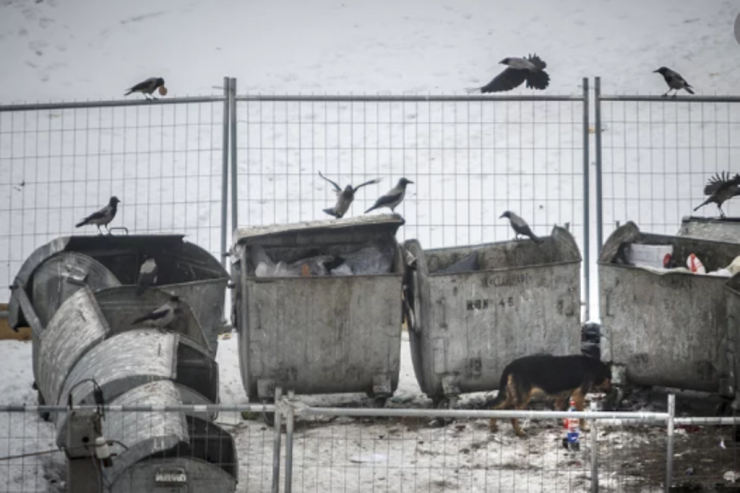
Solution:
(557, 377)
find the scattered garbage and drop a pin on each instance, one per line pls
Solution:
(661, 258)
(572, 430)
(695, 265)
(371, 260)
(731, 476)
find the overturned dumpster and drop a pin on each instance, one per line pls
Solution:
(318, 306)
(664, 307)
(477, 308)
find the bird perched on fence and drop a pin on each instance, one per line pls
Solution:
(344, 197)
(393, 197)
(674, 80)
(721, 188)
(148, 86)
(103, 217)
(521, 227)
(147, 275)
(530, 69)
(162, 316)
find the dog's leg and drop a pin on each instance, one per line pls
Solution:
(522, 401)
(506, 403)
(561, 404)
(579, 398)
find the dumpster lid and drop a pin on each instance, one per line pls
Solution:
(360, 226)
(701, 219)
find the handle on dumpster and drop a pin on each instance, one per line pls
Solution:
(418, 282)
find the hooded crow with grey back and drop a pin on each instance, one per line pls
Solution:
(147, 276)
(518, 70)
(393, 197)
(162, 316)
(521, 227)
(103, 217)
(721, 188)
(344, 197)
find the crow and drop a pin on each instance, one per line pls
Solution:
(147, 275)
(674, 81)
(148, 86)
(530, 69)
(344, 197)
(721, 188)
(162, 316)
(393, 197)
(103, 217)
(521, 227)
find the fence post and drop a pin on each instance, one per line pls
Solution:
(594, 456)
(586, 202)
(276, 442)
(234, 167)
(669, 452)
(597, 150)
(225, 175)
(290, 415)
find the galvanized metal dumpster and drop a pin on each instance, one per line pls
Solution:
(706, 228)
(66, 263)
(477, 308)
(166, 451)
(667, 327)
(317, 334)
(730, 354)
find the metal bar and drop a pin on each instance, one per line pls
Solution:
(586, 202)
(679, 99)
(108, 104)
(225, 175)
(410, 98)
(276, 443)
(597, 149)
(669, 452)
(185, 408)
(28, 311)
(3, 313)
(289, 420)
(234, 167)
(471, 414)
(708, 421)
(594, 457)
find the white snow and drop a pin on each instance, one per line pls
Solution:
(164, 162)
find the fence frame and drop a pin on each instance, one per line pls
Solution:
(583, 98)
(286, 408)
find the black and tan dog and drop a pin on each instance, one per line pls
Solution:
(557, 377)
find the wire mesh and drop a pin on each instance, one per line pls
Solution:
(657, 155)
(60, 163)
(706, 457)
(470, 160)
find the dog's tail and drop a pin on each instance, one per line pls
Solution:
(502, 389)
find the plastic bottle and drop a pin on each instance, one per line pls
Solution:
(572, 429)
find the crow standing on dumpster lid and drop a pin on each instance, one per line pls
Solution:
(103, 217)
(521, 227)
(530, 69)
(162, 316)
(674, 80)
(721, 188)
(393, 197)
(344, 197)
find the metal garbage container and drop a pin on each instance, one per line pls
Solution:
(56, 270)
(319, 306)
(708, 228)
(667, 326)
(730, 355)
(477, 308)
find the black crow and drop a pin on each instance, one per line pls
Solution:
(674, 81)
(148, 86)
(530, 69)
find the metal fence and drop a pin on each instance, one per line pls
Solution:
(470, 158)
(165, 160)
(393, 450)
(655, 154)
